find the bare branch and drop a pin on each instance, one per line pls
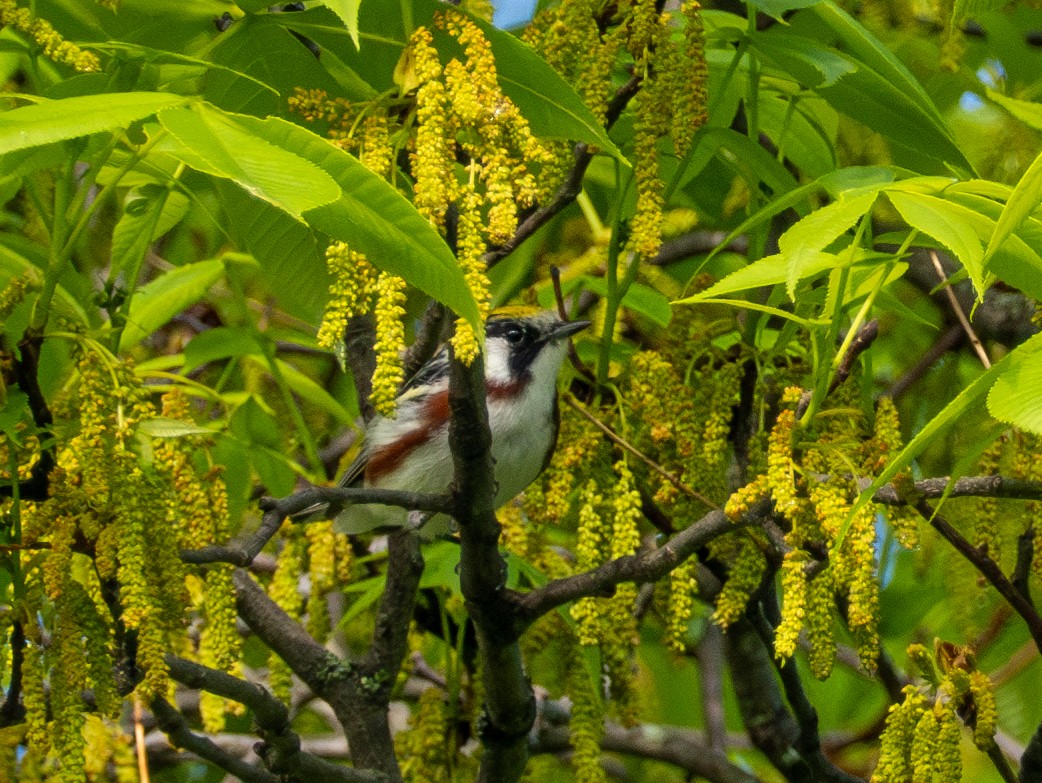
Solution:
(646, 566)
(684, 748)
(509, 700)
(281, 748)
(356, 698)
(174, 725)
(990, 570)
(276, 511)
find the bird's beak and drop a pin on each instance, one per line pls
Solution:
(567, 329)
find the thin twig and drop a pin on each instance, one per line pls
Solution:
(624, 444)
(957, 309)
(139, 743)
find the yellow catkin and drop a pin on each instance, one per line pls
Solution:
(390, 342)
(742, 499)
(820, 600)
(55, 47)
(587, 722)
(470, 249)
(986, 534)
(683, 587)
(780, 476)
(985, 710)
(424, 750)
(590, 552)
(794, 603)
(376, 152)
(747, 567)
(321, 553)
(351, 288)
(433, 159)
(895, 763)
(619, 635)
(923, 754)
(863, 596)
(947, 760)
(284, 591)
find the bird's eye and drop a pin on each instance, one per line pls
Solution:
(514, 335)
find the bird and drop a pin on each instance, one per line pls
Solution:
(524, 351)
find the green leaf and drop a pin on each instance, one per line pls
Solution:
(1028, 112)
(945, 222)
(1014, 398)
(288, 251)
(811, 63)
(215, 142)
(347, 10)
(71, 118)
(136, 228)
(171, 428)
(375, 219)
(777, 8)
(166, 296)
(884, 95)
(221, 342)
(767, 271)
(1022, 202)
(801, 245)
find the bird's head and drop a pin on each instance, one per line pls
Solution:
(522, 344)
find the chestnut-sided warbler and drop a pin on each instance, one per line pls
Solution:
(523, 353)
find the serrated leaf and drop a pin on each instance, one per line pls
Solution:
(217, 143)
(166, 296)
(801, 245)
(767, 271)
(944, 221)
(1014, 398)
(71, 118)
(347, 10)
(884, 95)
(1022, 202)
(136, 228)
(171, 428)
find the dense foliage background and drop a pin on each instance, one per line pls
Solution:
(791, 529)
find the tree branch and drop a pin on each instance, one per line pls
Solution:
(281, 748)
(646, 566)
(278, 510)
(509, 700)
(174, 725)
(356, 698)
(989, 568)
(682, 748)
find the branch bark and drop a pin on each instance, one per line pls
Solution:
(356, 698)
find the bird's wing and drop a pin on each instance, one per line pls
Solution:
(353, 475)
